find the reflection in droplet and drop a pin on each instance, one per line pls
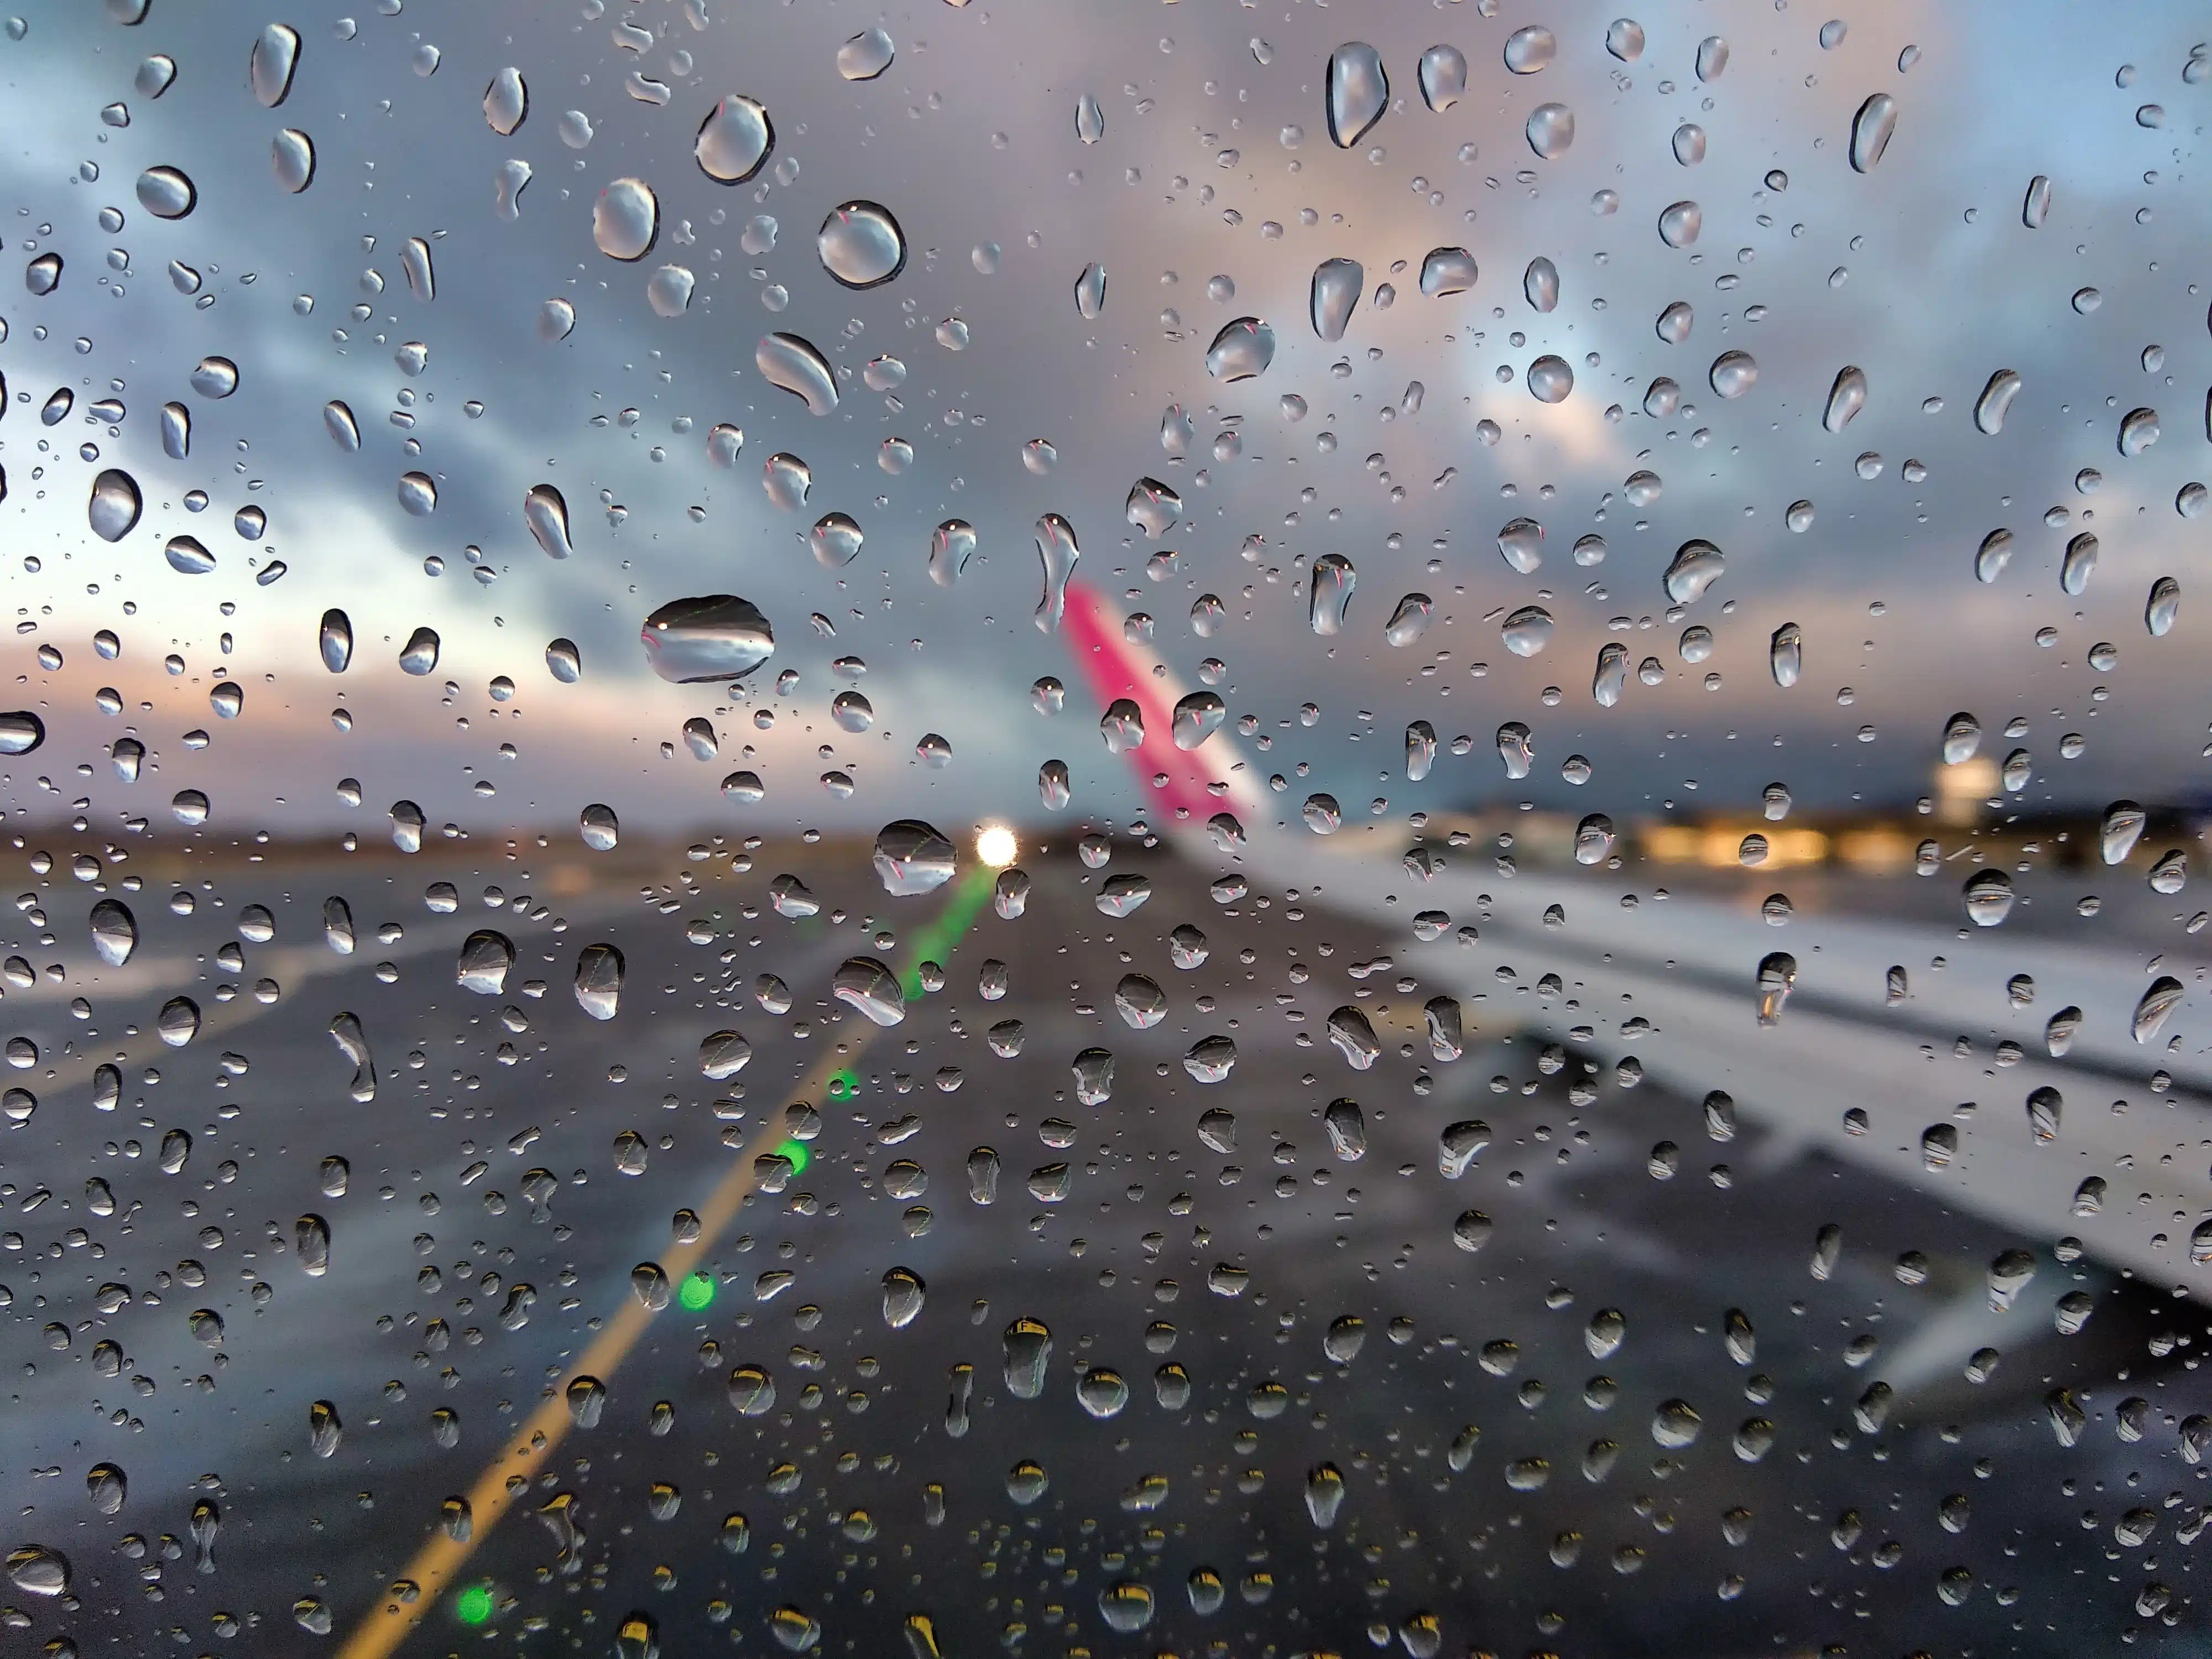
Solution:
(600, 827)
(1335, 290)
(1358, 91)
(1151, 507)
(1444, 77)
(951, 544)
(1090, 291)
(1410, 620)
(1447, 271)
(188, 556)
(626, 220)
(1786, 654)
(1242, 349)
(1993, 556)
(292, 159)
(2138, 431)
(1695, 567)
(865, 56)
(485, 958)
(1988, 897)
(1846, 396)
(788, 480)
(1058, 552)
(1732, 374)
(114, 932)
(599, 981)
(834, 540)
(1526, 631)
(1332, 581)
(691, 641)
(1872, 129)
(176, 431)
(1550, 380)
(860, 245)
(912, 858)
(1196, 718)
(735, 140)
(871, 988)
(214, 377)
(506, 101)
(115, 505)
(1550, 131)
(335, 641)
(420, 655)
(1996, 397)
(792, 365)
(1680, 223)
(2163, 606)
(2079, 564)
(166, 192)
(270, 66)
(546, 512)
(339, 422)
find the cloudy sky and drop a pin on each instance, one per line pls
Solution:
(1212, 194)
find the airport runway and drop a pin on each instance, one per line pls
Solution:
(1529, 1448)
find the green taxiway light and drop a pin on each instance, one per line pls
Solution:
(473, 1605)
(697, 1291)
(844, 1085)
(796, 1154)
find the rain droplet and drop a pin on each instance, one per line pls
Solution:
(1447, 271)
(598, 982)
(951, 544)
(271, 64)
(2080, 562)
(418, 494)
(860, 245)
(1152, 507)
(1521, 544)
(546, 512)
(1996, 397)
(555, 317)
(912, 858)
(1550, 380)
(871, 988)
(420, 655)
(1529, 51)
(1623, 38)
(689, 641)
(1785, 654)
(834, 540)
(1712, 57)
(1515, 749)
(1988, 896)
(2138, 431)
(1335, 290)
(292, 159)
(1058, 552)
(1680, 223)
(668, 290)
(788, 481)
(1689, 143)
(483, 965)
(1443, 77)
(600, 827)
(1526, 631)
(1846, 396)
(1540, 284)
(2035, 207)
(113, 509)
(1241, 351)
(1410, 620)
(339, 422)
(1550, 131)
(178, 1021)
(1090, 291)
(1196, 718)
(1872, 128)
(2163, 606)
(865, 56)
(1695, 567)
(166, 192)
(905, 1293)
(114, 932)
(1358, 91)
(1332, 583)
(626, 220)
(735, 140)
(214, 377)
(506, 102)
(37, 1571)
(1732, 374)
(156, 75)
(792, 365)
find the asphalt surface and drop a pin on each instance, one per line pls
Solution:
(862, 1507)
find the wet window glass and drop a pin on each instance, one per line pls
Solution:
(1153, 828)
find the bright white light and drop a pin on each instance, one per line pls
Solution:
(996, 845)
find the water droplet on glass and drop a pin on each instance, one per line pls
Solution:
(668, 290)
(1872, 128)
(1680, 223)
(1447, 271)
(1332, 583)
(114, 932)
(626, 220)
(1689, 143)
(1196, 718)
(1530, 50)
(178, 1021)
(1847, 396)
(1443, 77)
(792, 365)
(1358, 91)
(166, 192)
(1058, 552)
(2163, 606)
(788, 481)
(156, 75)
(483, 965)
(418, 494)
(600, 830)
(1550, 131)
(1696, 565)
(1550, 380)
(2138, 431)
(951, 544)
(860, 245)
(1732, 374)
(717, 636)
(1785, 654)
(1712, 57)
(506, 101)
(865, 56)
(1526, 631)
(113, 509)
(599, 981)
(292, 159)
(1988, 897)
(1410, 620)
(1089, 120)
(1335, 290)
(546, 512)
(1540, 283)
(1090, 291)
(188, 556)
(1623, 38)
(36, 1570)
(270, 66)
(834, 540)
(2079, 564)
(1242, 349)
(871, 988)
(735, 140)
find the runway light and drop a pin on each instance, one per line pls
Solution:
(697, 1291)
(996, 845)
(473, 1605)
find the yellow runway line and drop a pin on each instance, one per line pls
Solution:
(439, 1562)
